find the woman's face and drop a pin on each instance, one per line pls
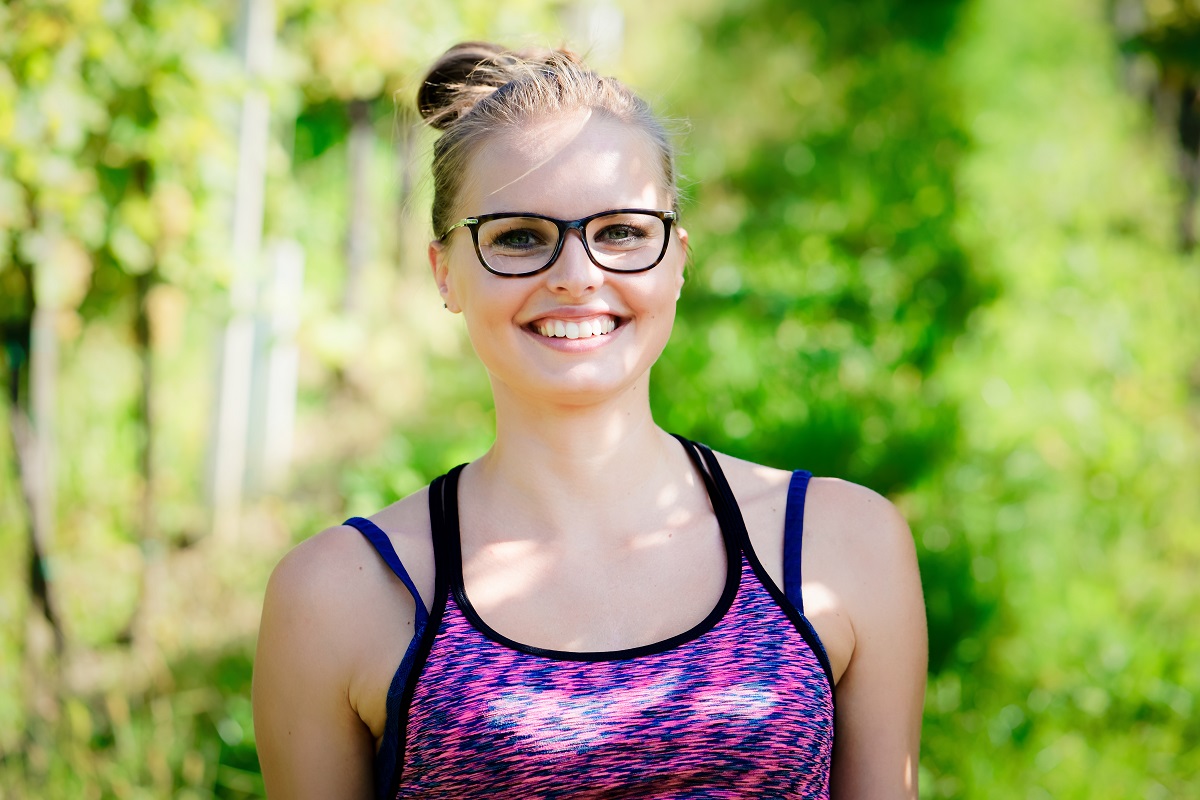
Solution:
(567, 167)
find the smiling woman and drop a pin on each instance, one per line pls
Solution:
(592, 608)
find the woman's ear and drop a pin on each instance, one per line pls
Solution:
(439, 263)
(683, 241)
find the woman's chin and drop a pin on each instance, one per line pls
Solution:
(579, 387)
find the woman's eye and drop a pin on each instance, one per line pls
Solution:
(517, 239)
(620, 233)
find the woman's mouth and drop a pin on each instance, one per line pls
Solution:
(575, 328)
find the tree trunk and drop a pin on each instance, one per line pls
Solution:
(32, 346)
(153, 576)
(1189, 162)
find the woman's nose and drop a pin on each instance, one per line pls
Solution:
(573, 271)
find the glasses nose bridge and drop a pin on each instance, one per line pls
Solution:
(580, 227)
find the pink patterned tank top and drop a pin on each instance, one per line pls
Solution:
(739, 706)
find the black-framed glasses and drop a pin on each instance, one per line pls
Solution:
(516, 244)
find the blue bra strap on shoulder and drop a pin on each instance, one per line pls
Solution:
(383, 545)
(793, 537)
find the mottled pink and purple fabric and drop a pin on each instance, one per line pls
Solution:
(743, 710)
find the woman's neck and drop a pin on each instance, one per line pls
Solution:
(567, 466)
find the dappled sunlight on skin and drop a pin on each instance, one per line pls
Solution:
(765, 473)
(669, 497)
(822, 607)
(498, 586)
(677, 521)
(549, 147)
(508, 578)
(818, 597)
(678, 516)
(531, 142)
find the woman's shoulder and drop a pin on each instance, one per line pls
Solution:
(862, 561)
(871, 536)
(407, 525)
(853, 514)
(327, 555)
(335, 624)
(852, 534)
(752, 482)
(332, 578)
(860, 565)
(335, 616)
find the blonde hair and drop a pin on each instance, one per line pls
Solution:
(478, 90)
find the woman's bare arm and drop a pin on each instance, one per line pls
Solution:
(880, 697)
(311, 741)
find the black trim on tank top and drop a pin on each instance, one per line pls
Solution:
(807, 631)
(453, 542)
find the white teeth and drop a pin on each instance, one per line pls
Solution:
(585, 329)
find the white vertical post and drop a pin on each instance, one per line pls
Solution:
(276, 374)
(233, 398)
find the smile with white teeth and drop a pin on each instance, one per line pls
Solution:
(575, 329)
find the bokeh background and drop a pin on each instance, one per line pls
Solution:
(944, 248)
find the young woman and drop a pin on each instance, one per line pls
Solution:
(593, 608)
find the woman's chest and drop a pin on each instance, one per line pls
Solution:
(598, 599)
(740, 704)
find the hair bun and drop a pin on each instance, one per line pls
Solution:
(440, 99)
(470, 71)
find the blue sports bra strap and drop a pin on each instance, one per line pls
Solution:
(383, 545)
(793, 537)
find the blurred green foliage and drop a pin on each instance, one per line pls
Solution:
(934, 251)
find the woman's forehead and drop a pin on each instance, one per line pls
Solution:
(578, 161)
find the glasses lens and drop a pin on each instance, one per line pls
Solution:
(626, 242)
(516, 245)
